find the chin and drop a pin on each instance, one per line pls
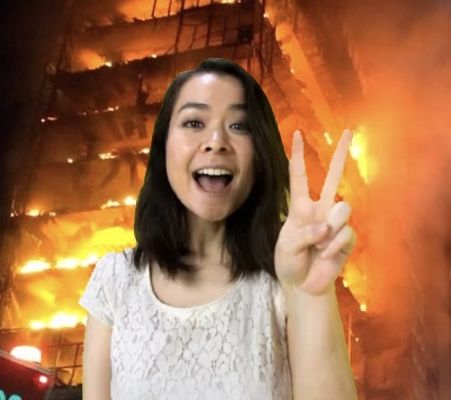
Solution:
(210, 214)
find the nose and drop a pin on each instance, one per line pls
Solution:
(217, 141)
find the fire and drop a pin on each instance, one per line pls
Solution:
(107, 156)
(104, 239)
(63, 263)
(356, 281)
(328, 138)
(27, 353)
(59, 320)
(34, 212)
(128, 201)
(359, 151)
(34, 266)
(72, 263)
(110, 203)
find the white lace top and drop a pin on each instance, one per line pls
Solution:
(232, 348)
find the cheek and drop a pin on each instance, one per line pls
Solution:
(171, 161)
(178, 157)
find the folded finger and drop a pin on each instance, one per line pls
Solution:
(337, 218)
(343, 242)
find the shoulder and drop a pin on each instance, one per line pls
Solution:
(115, 263)
(104, 292)
(114, 270)
(265, 286)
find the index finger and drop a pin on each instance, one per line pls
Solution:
(298, 176)
(336, 167)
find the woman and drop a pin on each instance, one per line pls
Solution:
(220, 299)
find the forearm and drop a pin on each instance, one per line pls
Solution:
(317, 348)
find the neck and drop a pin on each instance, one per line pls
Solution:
(207, 241)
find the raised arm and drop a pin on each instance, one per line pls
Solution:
(96, 360)
(311, 250)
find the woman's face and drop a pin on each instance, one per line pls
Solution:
(208, 131)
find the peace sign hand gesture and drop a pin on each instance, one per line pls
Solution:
(315, 239)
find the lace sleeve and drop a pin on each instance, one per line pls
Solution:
(279, 303)
(98, 297)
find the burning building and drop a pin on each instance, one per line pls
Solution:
(106, 67)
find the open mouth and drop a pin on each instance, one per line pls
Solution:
(212, 183)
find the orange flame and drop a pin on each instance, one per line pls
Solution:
(59, 320)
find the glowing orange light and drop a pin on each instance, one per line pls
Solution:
(107, 156)
(110, 203)
(63, 263)
(130, 201)
(37, 325)
(68, 263)
(328, 138)
(358, 149)
(34, 266)
(363, 307)
(59, 320)
(34, 212)
(27, 353)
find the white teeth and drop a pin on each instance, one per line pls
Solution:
(213, 171)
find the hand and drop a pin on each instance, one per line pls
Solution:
(315, 240)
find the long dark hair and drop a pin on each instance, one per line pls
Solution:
(251, 232)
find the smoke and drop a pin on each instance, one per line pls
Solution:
(404, 57)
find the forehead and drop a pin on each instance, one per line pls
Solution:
(211, 88)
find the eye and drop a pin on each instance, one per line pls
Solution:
(192, 123)
(242, 126)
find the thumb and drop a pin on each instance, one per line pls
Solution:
(313, 234)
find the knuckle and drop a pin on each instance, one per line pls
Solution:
(315, 230)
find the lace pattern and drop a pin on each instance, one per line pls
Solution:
(231, 348)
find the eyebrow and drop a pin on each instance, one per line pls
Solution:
(203, 106)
